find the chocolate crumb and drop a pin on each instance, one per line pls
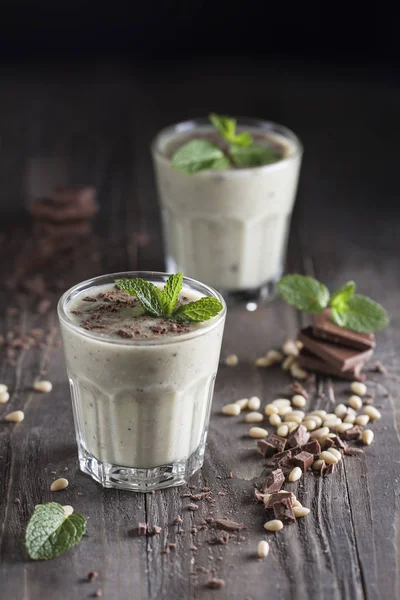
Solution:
(92, 575)
(157, 530)
(178, 520)
(99, 593)
(379, 368)
(193, 548)
(297, 388)
(142, 527)
(89, 299)
(228, 525)
(125, 334)
(220, 540)
(166, 550)
(172, 546)
(216, 584)
(192, 506)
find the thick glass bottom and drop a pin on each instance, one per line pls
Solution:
(251, 298)
(141, 480)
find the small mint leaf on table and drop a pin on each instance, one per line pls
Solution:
(200, 310)
(360, 314)
(151, 297)
(50, 532)
(340, 298)
(253, 156)
(172, 290)
(305, 293)
(197, 155)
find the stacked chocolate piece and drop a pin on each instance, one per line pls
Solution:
(66, 212)
(333, 350)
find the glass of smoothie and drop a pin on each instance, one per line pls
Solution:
(228, 227)
(141, 385)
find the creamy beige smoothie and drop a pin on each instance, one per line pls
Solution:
(141, 386)
(228, 228)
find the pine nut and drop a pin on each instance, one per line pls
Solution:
(310, 424)
(243, 402)
(299, 400)
(297, 372)
(296, 503)
(372, 412)
(332, 436)
(290, 349)
(329, 416)
(281, 402)
(319, 433)
(233, 410)
(231, 360)
(335, 452)
(3, 388)
(328, 458)
(288, 362)
(318, 464)
(332, 423)
(292, 425)
(4, 397)
(263, 549)
(258, 432)
(271, 409)
(355, 402)
(43, 386)
(59, 484)
(300, 511)
(254, 417)
(284, 410)
(344, 427)
(273, 525)
(295, 474)
(15, 417)
(358, 388)
(261, 361)
(266, 498)
(282, 431)
(293, 418)
(68, 510)
(274, 356)
(367, 437)
(362, 420)
(317, 413)
(254, 403)
(299, 344)
(341, 411)
(275, 420)
(315, 418)
(349, 418)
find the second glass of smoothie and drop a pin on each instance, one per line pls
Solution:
(228, 228)
(141, 386)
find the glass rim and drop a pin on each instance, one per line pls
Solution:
(192, 124)
(73, 291)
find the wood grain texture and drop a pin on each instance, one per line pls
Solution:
(99, 122)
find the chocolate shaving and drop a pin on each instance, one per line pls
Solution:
(274, 481)
(222, 539)
(352, 451)
(228, 525)
(192, 506)
(297, 388)
(125, 334)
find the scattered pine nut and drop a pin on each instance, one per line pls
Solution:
(349, 418)
(284, 410)
(15, 417)
(372, 412)
(59, 484)
(332, 423)
(270, 409)
(254, 417)
(355, 402)
(292, 425)
(296, 503)
(317, 420)
(68, 510)
(299, 344)
(317, 413)
(295, 474)
(283, 431)
(273, 525)
(329, 416)
(318, 464)
(299, 401)
(263, 549)
(310, 424)
(341, 411)
(328, 458)
(358, 388)
(335, 452)
(4, 397)
(294, 418)
(367, 437)
(274, 356)
(344, 427)
(231, 360)
(233, 410)
(266, 498)
(261, 361)
(254, 403)
(281, 402)
(320, 433)
(258, 432)
(300, 511)
(297, 372)
(275, 420)
(288, 362)
(3, 388)
(290, 349)
(243, 402)
(362, 420)
(43, 386)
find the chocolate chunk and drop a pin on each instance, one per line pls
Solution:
(339, 443)
(259, 496)
(286, 464)
(309, 361)
(277, 458)
(283, 511)
(228, 525)
(298, 437)
(329, 469)
(142, 527)
(324, 328)
(328, 443)
(273, 444)
(313, 447)
(341, 357)
(277, 441)
(274, 482)
(278, 497)
(352, 434)
(304, 460)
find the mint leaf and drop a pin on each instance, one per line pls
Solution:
(151, 297)
(340, 298)
(253, 156)
(196, 155)
(220, 164)
(172, 289)
(360, 314)
(50, 532)
(226, 127)
(306, 293)
(201, 310)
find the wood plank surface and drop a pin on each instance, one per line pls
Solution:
(98, 121)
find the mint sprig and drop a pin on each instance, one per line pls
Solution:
(50, 532)
(348, 309)
(164, 303)
(238, 150)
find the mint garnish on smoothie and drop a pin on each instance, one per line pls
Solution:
(231, 150)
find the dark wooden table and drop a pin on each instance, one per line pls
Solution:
(98, 120)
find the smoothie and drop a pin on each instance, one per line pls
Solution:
(228, 228)
(141, 386)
